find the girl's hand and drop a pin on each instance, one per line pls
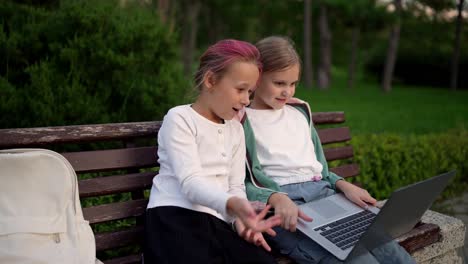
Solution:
(243, 210)
(355, 194)
(253, 236)
(287, 210)
(258, 206)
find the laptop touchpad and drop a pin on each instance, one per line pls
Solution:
(328, 209)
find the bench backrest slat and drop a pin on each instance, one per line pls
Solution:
(334, 135)
(115, 184)
(120, 238)
(338, 153)
(115, 211)
(23, 137)
(348, 170)
(113, 159)
(320, 118)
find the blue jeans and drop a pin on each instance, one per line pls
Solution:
(304, 250)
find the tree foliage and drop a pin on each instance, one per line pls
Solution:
(85, 62)
(424, 54)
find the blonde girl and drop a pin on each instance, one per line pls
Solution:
(287, 166)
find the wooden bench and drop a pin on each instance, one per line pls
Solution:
(122, 158)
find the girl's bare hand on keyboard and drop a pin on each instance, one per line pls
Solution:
(356, 194)
(287, 210)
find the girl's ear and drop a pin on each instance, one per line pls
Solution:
(209, 80)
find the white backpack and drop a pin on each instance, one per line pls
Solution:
(41, 220)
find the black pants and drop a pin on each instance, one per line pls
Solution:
(178, 235)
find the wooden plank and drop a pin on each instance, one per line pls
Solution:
(122, 238)
(114, 211)
(115, 184)
(348, 170)
(334, 135)
(137, 258)
(112, 159)
(136, 194)
(328, 117)
(23, 137)
(338, 153)
(39, 136)
(419, 237)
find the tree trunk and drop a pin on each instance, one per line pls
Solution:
(308, 70)
(324, 70)
(456, 48)
(189, 34)
(353, 57)
(392, 50)
(167, 13)
(163, 10)
(216, 22)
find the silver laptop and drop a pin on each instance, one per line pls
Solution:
(345, 229)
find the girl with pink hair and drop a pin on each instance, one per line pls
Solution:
(199, 194)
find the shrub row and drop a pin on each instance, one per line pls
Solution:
(389, 161)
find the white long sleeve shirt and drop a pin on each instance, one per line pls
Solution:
(284, 146)
(201, 163)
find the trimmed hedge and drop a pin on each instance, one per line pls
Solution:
(389, 161)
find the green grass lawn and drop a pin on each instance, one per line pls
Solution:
(405, 110)
(410, 114)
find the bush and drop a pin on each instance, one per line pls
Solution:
(388, 162)
(86, 62)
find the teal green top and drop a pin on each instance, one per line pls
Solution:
(259, 186)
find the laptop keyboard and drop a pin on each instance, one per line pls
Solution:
(344, 233)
